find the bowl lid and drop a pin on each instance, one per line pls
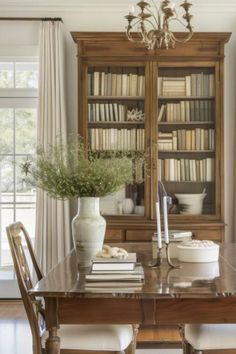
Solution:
(198, 244)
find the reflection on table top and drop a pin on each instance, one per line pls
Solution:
(192, 280)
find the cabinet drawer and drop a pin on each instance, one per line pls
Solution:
(214, 235)
(139, 235)
(113, 235)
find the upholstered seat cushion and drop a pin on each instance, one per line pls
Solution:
(211, 336)
(94, 337)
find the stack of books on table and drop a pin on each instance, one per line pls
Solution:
(175, 235)
(111, 274)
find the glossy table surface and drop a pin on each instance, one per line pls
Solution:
(195, 293)
(192, 280)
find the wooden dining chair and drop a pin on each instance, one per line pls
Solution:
(76, 339)
(209, 338)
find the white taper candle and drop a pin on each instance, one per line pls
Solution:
(165, 212)
(159, 240)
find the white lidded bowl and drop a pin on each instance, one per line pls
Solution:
(201, 253)
(198, 271)
(192, 203)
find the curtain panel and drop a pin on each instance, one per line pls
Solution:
(52, 238)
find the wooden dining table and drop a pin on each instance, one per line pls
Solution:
(194, 293)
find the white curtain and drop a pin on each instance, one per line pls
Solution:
(52, 216)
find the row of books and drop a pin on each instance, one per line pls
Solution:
(182, 139)
(191, 85)
(186, 170)
(187, 111)
(110, 84)
(117, 139)
(112, 274)
(108, 112)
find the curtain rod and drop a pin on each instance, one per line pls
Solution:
(31, 19)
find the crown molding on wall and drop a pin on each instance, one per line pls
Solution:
(199, 6)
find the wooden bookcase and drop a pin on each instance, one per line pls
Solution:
(184, 142)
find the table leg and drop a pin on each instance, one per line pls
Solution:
(53, 342)
(132, 347)
(52, 325)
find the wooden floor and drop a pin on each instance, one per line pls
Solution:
(15, 335)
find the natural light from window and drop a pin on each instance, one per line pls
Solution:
(18, 121)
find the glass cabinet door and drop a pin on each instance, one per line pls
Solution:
(116, 126)
(186, 138)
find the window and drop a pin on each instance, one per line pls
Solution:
(18, 121)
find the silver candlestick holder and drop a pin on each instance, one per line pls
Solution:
(168, 258)
(158, 261)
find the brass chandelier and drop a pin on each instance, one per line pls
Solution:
(152, 24)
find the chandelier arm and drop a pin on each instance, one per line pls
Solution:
(178, 20)
(140, 33)
(139, 21)
(150, 23)
(153, 15)
(184, 40)
(130, 38)
(157, 11)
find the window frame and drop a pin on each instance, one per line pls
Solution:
(14, 98)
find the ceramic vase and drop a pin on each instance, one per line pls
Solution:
(88, 230)
(127, 206)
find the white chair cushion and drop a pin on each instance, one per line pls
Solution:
(211, 336)
(94, 337)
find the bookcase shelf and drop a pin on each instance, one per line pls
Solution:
(187, 98)
(116, 98)
(114, 124)
(186, 123)
(186, 152)
(189, 182)
(179, 96)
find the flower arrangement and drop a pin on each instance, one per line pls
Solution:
(70, 170)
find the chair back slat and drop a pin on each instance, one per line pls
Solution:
(16, 233)
(17, 240)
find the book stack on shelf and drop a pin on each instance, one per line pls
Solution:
(112, 274)
(198, 84)
(117, 139)
(109, 112)
(115, 84)
(186, 170)
(182, 139)
(187, 111)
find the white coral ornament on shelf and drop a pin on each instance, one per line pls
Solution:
(112, 252)
(135, 115)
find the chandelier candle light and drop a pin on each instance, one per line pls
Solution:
(152, 24)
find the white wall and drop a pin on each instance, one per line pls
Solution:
(109, 16)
